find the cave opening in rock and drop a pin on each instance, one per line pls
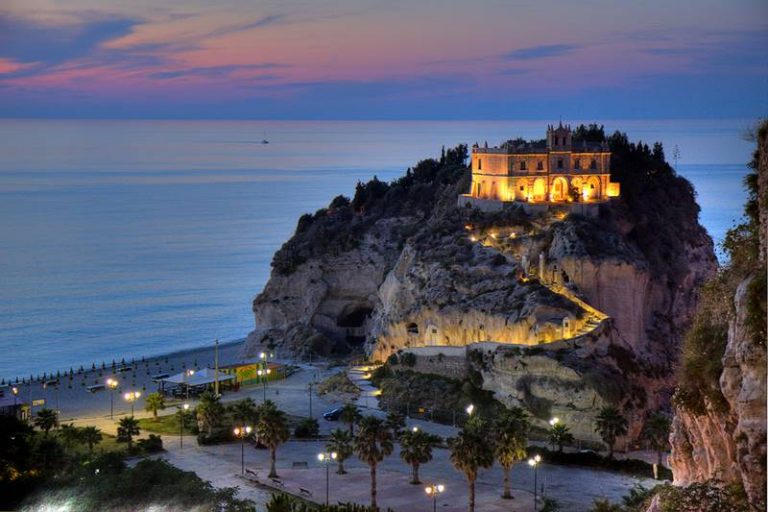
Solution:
(412, 328)
(353, 320)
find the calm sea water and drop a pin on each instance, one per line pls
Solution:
(135, 238)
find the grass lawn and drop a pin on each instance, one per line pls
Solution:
(168, 424)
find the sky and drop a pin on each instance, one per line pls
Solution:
(376, 59)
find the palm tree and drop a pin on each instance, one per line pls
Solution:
(127, 429)
(70, 435)
(395, 422)
(560, 435)
(656, 431)
(372, 443)
(272, 431)
(153, 403)
(243, 411)
(611, 425)
(416, 449)
(470, 451)
(90, 436)
(209, 412)
(510, 435)
(350, 415)
(340, 441)
(46, 419)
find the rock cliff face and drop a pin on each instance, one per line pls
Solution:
(585, 312)
(725, 440)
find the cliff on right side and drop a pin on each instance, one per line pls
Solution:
(719, 428)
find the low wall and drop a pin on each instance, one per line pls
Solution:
(447, 361)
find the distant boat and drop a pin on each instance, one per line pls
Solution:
(264, 140)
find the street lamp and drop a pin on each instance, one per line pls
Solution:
(182, 411)
(326, 458)
(188, 373)
(242, 433)
(263, 375)
(131, 397)
(534, 463)
(554, 421)
(434, 490)
(470, 409)
(112, 384)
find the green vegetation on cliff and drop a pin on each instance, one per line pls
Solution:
(705, 342)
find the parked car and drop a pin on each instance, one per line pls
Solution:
(333, 414)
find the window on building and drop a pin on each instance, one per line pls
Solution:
(522, 189)
(540, 166)
(593, 164)
(522, 166)
(479, 164)
(559, 163)
(577, 164)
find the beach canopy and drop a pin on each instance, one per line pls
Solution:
(199, 378)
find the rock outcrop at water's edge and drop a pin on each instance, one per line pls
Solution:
(719, 428)
(580, 312)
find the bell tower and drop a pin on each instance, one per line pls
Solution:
(559, 139)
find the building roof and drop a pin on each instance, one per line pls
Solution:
(9, 401)
(199, 378)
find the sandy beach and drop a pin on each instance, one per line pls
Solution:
(72, 398)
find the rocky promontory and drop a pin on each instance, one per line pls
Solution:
(566, 313)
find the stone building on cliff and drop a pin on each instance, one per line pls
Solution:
(557, 171)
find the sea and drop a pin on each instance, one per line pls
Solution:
(123, 239)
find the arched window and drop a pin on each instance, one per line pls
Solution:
(559, 163)
(522, 166)
(577, 163)
(593, 164)
(540, 166)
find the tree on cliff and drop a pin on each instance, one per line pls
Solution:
(510, 439)
(272, 431)
(372, 443)
(416, 449)
(611, 425)
(471, 450)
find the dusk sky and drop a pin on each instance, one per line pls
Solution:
(384, 59)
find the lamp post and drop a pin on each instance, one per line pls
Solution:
(534, 463)
(131, 397)
(309, 389)
(242, 433)
(264, 375)
(553, 422)
(182, 411)
(15, 392)
(327, 458)
(434, 491)
(188, 373)
(112, 385)
(265, 356)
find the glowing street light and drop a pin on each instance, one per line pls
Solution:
(182, 411)
(131, 397)
(470, 409)
(265, 356)
(187, 374)
(112, 384)
(242, 433)
(264, 375)
(434, 491)
(554, 421)
(327, 458)
(534, 463)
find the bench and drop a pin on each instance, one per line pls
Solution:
(277, 483)
(300, 464)
(305, 492)
(252, 473)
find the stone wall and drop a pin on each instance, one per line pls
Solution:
(449, 362)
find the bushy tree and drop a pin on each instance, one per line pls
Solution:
(154, 402)
(46, 419)
(340, 441)
(416, 449)
(560, 435)
(510, 436)
(209, 412)
(127, 429)
(656, 432)
(271, 431)
(350, 414)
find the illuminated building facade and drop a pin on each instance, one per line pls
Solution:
(557, 171)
